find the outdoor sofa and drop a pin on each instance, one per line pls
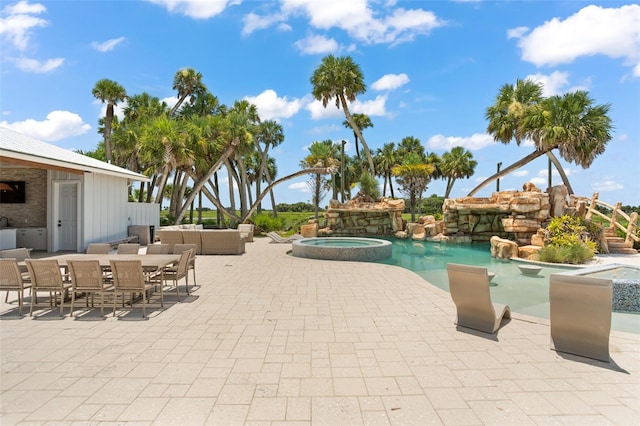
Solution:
(207, 241)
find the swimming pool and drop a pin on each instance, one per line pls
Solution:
(526, 294)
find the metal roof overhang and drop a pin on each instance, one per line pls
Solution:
(27, 160)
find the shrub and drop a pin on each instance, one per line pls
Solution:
(570, 239)
(267, 223)
(569, 230)
(369, 186)
(572, 254)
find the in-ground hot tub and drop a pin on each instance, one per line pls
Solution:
(626, 284)
(342, 248)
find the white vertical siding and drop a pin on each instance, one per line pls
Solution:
(104, 208)
(143, 214)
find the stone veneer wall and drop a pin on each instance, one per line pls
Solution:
(354, 219)
(33, 213)
(508, 214)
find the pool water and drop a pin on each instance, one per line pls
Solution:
(524, 294)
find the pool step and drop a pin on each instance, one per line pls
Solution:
(618, 245)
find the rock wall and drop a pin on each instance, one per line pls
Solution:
(515, 215)
(359, 218)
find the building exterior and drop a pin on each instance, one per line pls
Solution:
(58, 200)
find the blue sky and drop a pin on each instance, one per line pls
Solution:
(431, 70)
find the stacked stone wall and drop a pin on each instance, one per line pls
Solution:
(359, 219)
(516, 215)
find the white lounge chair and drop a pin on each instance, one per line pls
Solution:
(469, 288)
(276, 238)
(580, 315)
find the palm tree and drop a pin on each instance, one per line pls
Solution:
(413, 176)
(321, 155)
(571, 123)
(110, 92)
(340, 79)
(270, 134)
(385, 161)
(188, 82)
(410, 144)
(363, 122)
(457, 164)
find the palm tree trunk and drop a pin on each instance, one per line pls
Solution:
(504, 172)
(269, 189)
(563, 175)
(356, 129)
(199, 182)
(107, 132)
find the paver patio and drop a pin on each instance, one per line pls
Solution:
(267, 338)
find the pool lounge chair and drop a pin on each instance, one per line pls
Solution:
(580, 315)
(276, 238)
(469, 288)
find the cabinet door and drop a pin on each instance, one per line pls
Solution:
(22, 238)
(38, 238)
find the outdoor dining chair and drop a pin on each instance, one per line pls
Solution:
(179, 248)
(98, 248)
(469, 288)
(129, 277)
(46, 276)
(580, 315)
(87, 277)
(179, 271)
(11, 279)
(20, 255)
(158, 249)
(128, 248)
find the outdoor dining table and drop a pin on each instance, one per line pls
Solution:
(150, 262)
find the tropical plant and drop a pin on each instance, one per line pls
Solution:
(456, 164)
(111, 93)
(363, 121)
(340, 79)
(321, 154)
(188, 82)
(385, 161)
(413, 176)
(570, 123)
(369, 187)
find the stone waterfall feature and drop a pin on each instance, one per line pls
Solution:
(357, 218)
(516, 215)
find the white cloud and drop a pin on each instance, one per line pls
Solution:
(606, 186)
(520, 173)
(108, 45)
(18, 20)
(517, 32)
(317, 44)
(356, 17)
(58, 125)
(540, 182)
(197, 9)
(253, 22)
(474, 142)
(593, 30)
(374, 107)
(551, 83)
(36, 66)
(319, 112)
(272, 107)
(390, 82)
(300, 186)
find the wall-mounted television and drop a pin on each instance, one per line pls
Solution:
(12, 191)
